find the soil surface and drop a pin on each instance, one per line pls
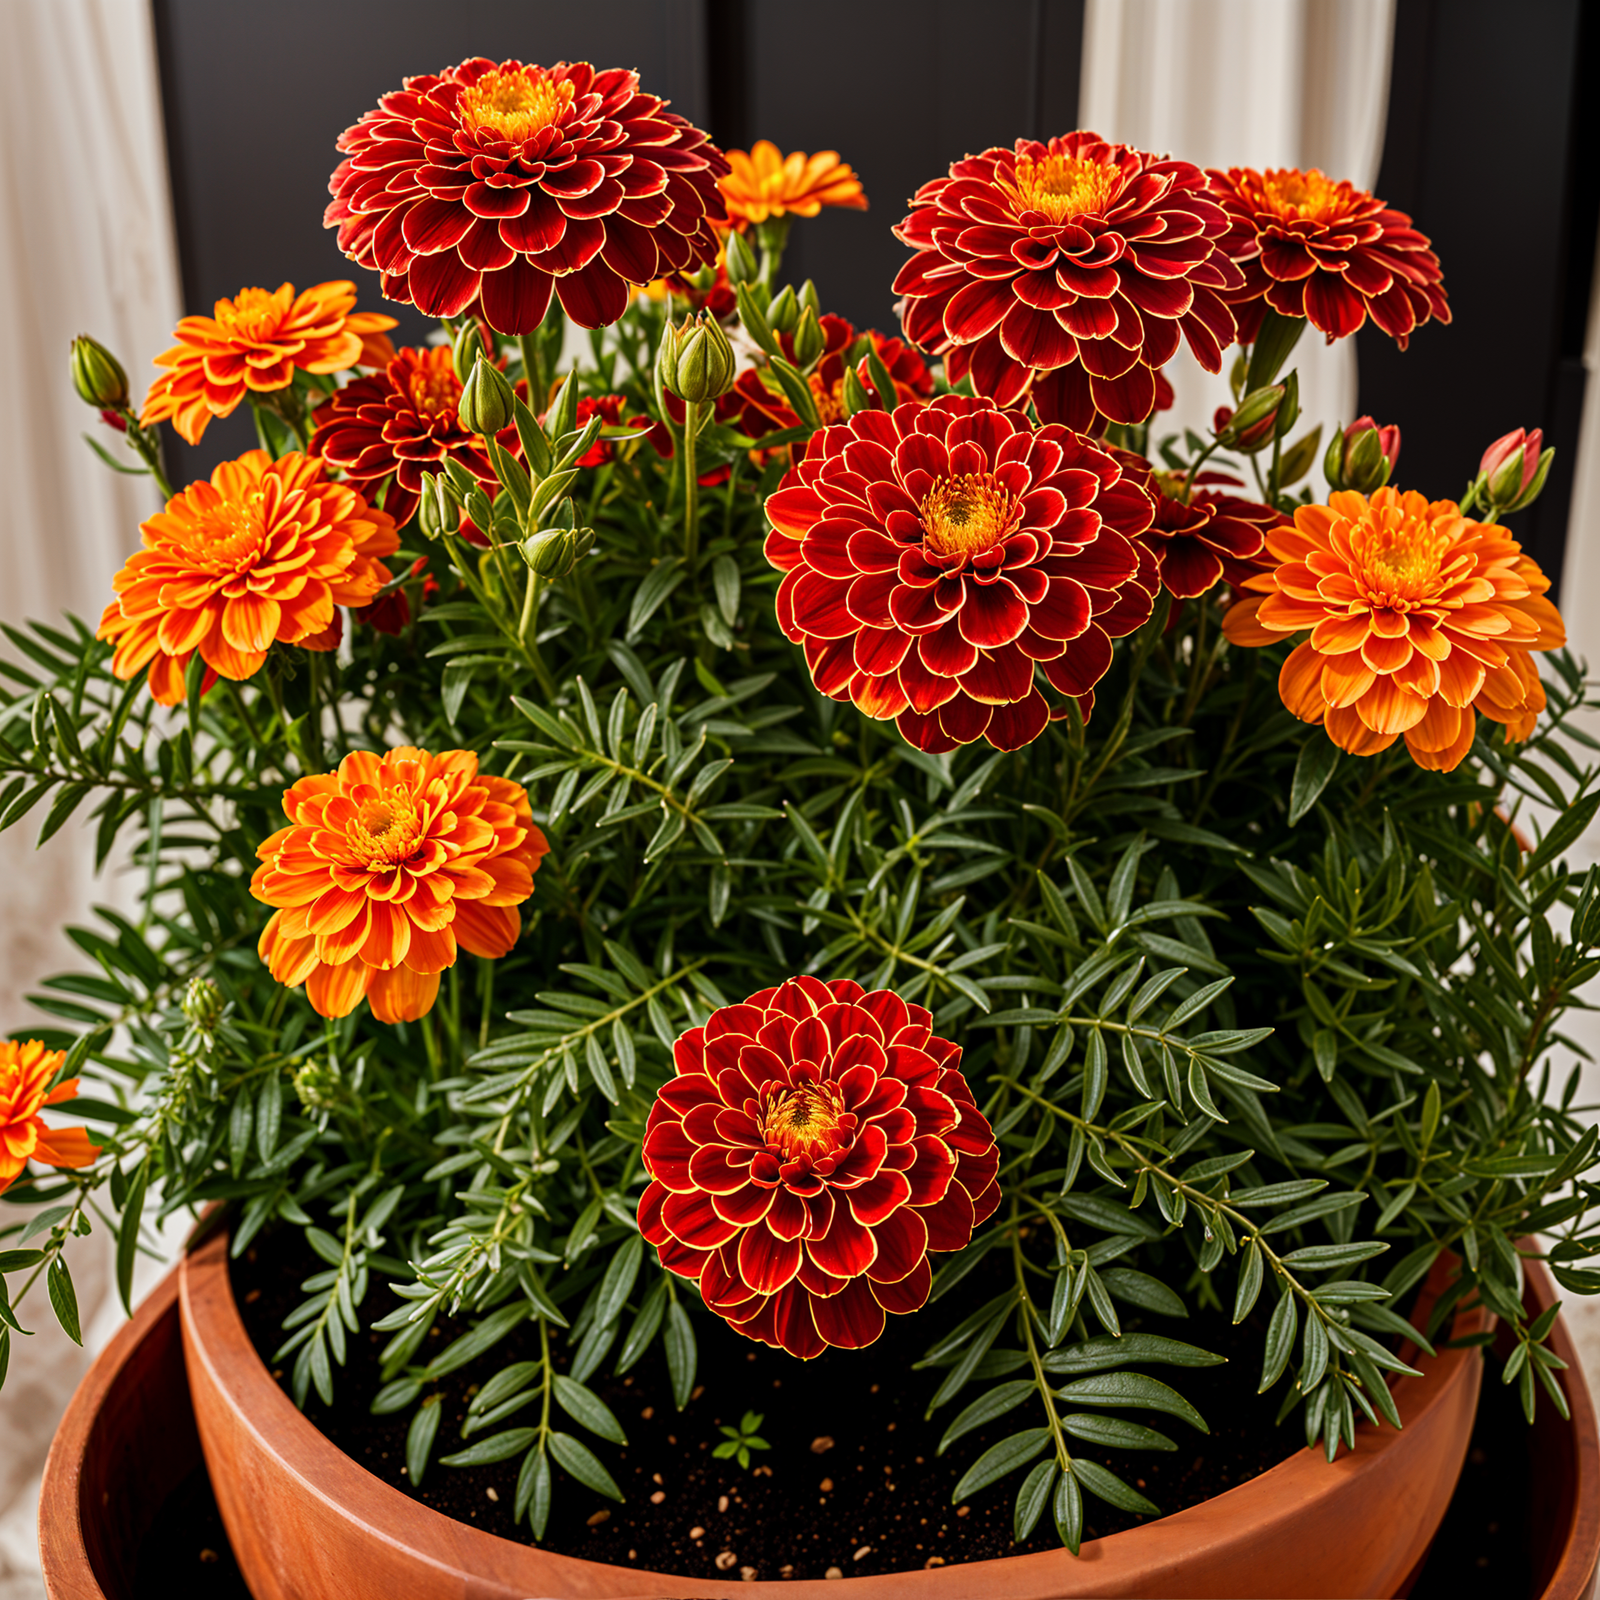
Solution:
(852, 1483)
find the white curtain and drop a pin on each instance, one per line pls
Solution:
(86, 246)
(1246, 83)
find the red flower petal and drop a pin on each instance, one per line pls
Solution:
(851, 1319)
(902, 1243)
(692, 1220)
(847, 1249)
(767, 1262)
(909, 1294)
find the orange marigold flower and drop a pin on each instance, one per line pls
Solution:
(496, 184)
(255, 343)
(25, 1074)
(1310, 247)
(387, 867)
(258, 556)
(816, 1143)
(766, 183)
(1419, 618)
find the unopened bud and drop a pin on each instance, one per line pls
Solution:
(468, 347)
(317, 1085)
(809, 340)
(742, 264)
(97, 375)
(783, 315)
(1512, 472)
(485, 406)
(696, 361)
(203, 1004)
(554, 552)
(1254, 424)
(1362, 457)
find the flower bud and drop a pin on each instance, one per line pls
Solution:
(317, 1085)
(1362, 457)
(742, 264)
(809, 340)
(485, 406)
(784, 313)
(1512, 472)
(203, 1004)
(97, 375)
(696, 362)
(1254, 424)
(468, 347)
(554, 552)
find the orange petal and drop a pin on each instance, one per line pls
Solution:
(337, 991)
(1350, 733)
(1300, 684)
(65, 1147)
(402, 995)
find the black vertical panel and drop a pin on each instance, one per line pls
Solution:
(900, 88)
(1492, 149)
(254, 103)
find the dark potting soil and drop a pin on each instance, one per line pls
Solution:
(186, 1552)
(852, 1481)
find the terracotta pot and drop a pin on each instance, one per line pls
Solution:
(126, 1442)
(129, 1438)
(307, 1523)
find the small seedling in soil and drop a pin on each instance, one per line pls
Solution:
(743, 1439)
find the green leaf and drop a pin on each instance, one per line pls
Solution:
(1567, 829)
(1326, 1257)
(586, 1408)
(1105, 1214)
(1114, 1433)
(1249, 1282)
(497, 1447)
(1131, 1389)
(63, 1298)
(583, 1464)
(997, 1402)
(659, 582)
(1319, 758)
(533, 1491)
(420, 1437)
(998, 1460)
(1103, 1352)
(1068, 1511)
(128, 1233)
(1280, 1341)
(1110, 1488)
(682, 1354)
(1032, 1498)
(1140, 1289)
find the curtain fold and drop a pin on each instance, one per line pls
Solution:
(86, 246)
(1246, 83)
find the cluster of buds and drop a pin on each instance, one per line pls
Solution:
(203, 1004)
(1264, 415)
(318, 1085)
(696, 362)
(1362, 457)
(1512, 472)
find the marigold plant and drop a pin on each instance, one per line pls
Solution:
(1125, 837)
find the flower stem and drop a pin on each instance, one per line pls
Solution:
(691, 532)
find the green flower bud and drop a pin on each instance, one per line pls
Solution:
(809, 341)
(203, 1004)
(1362, 457)
(696, 362)
(468, 347)
(485, 406)
(97, 375)
(742, 264)
(1512, 472)
(1253, 426)
(784, 313)
(317, 1085)
(554, 552)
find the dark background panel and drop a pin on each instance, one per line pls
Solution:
(900, 91)
(1491, 146)
(253, 110)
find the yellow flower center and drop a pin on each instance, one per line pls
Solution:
(1309, 196)
(433, 391)
(1063, 187)
(251, 314)
(828, 398)
(385, 831)
(1398, 559)
(515, 104)
(804, 1120)
(967, 515)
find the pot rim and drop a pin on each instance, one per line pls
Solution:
(215, 1339)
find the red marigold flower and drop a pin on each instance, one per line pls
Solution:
(255, 344)
(1310, 247)
(25, 1074)
(260, 555)
(1418, 617)
(766, 183)
(391, 427)
(1067, 268)
(496, 184)
(756, 405)
(1201, 540)
(934, 554)
(816, 1143)
(387, 867)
